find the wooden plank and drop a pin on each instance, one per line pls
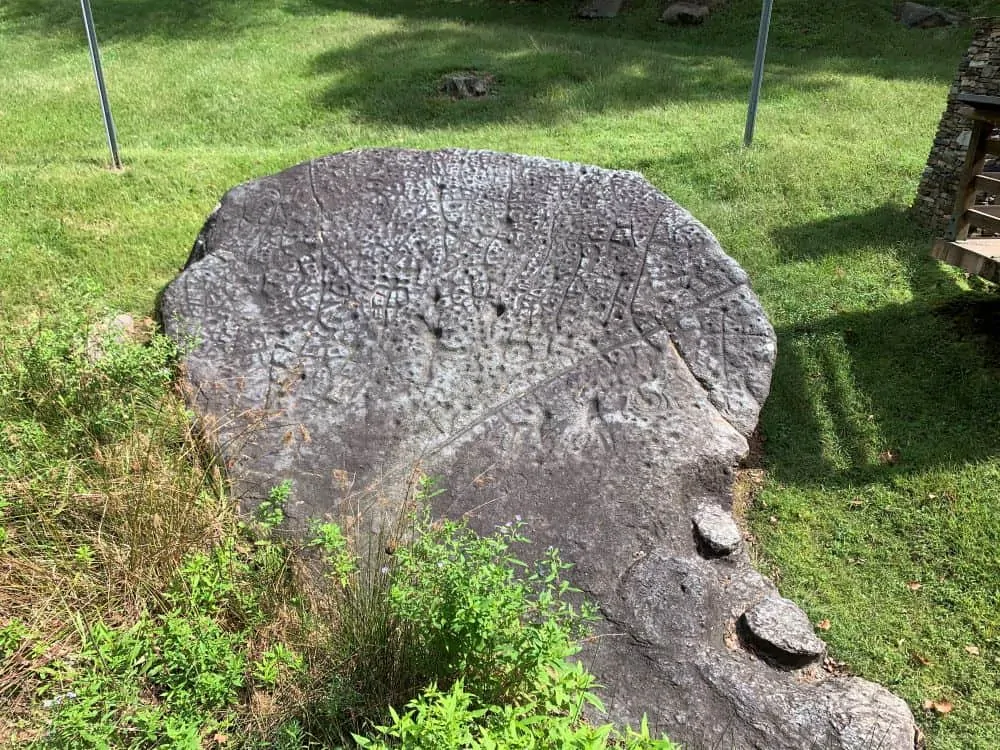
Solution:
(980, 257)
(980, 100)
(988, 182)
(984, 217)
(965, 197)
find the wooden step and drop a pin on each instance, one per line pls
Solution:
(981, 257)
(984, 217)
(988, 182)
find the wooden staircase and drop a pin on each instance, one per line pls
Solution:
(980, 255)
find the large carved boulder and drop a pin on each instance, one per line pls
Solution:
(556, 342)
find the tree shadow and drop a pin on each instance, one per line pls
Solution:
(862, 397)
(869, 42)
(843, 234)
(801, 38)
(540, 78)
(130, 19)
(859, 397)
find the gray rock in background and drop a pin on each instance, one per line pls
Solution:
(685, 14)
(554, 341)
(600, 8)
(917, 16)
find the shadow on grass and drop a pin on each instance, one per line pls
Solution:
(539, 78)
(863, 38)
(889, 225)
(130, 19)
(842, 234)
(859, 398)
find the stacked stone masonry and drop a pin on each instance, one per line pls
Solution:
(979, 73)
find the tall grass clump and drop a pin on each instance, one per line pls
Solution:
(139, 609)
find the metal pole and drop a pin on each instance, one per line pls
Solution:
(758, 71)
(95, 59)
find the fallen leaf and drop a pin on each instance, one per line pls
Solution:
(835, 667)
(914, 585)
(942, 706)
(921, 659)
(823, 624)
(889, 457)
(220, 738)
(773, 519)
(974, 650)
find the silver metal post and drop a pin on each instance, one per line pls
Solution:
(758, 71)
(95, 59)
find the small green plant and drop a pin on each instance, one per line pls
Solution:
(328, 538)
(271, 512)
(548, 716)
(74, 387)
(12, 635)
(478, 614)
(278, 657)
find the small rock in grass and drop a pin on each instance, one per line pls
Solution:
(467, 85)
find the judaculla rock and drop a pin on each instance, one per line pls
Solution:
(553, 341)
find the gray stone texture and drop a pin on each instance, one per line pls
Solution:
(717, 531)
(685, 14)
(554, 341)
(978, 73)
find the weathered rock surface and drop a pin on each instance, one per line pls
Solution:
(717, 532)
(685, 14)
(554, 341)
(917, 16)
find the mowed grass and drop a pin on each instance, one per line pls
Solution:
(879, 509)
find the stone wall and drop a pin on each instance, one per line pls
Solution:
(979, 73)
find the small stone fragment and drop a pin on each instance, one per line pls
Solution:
(467, 85)
(685, 14)
(717, 531)
(782, 630)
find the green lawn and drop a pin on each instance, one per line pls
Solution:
(881, 433)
